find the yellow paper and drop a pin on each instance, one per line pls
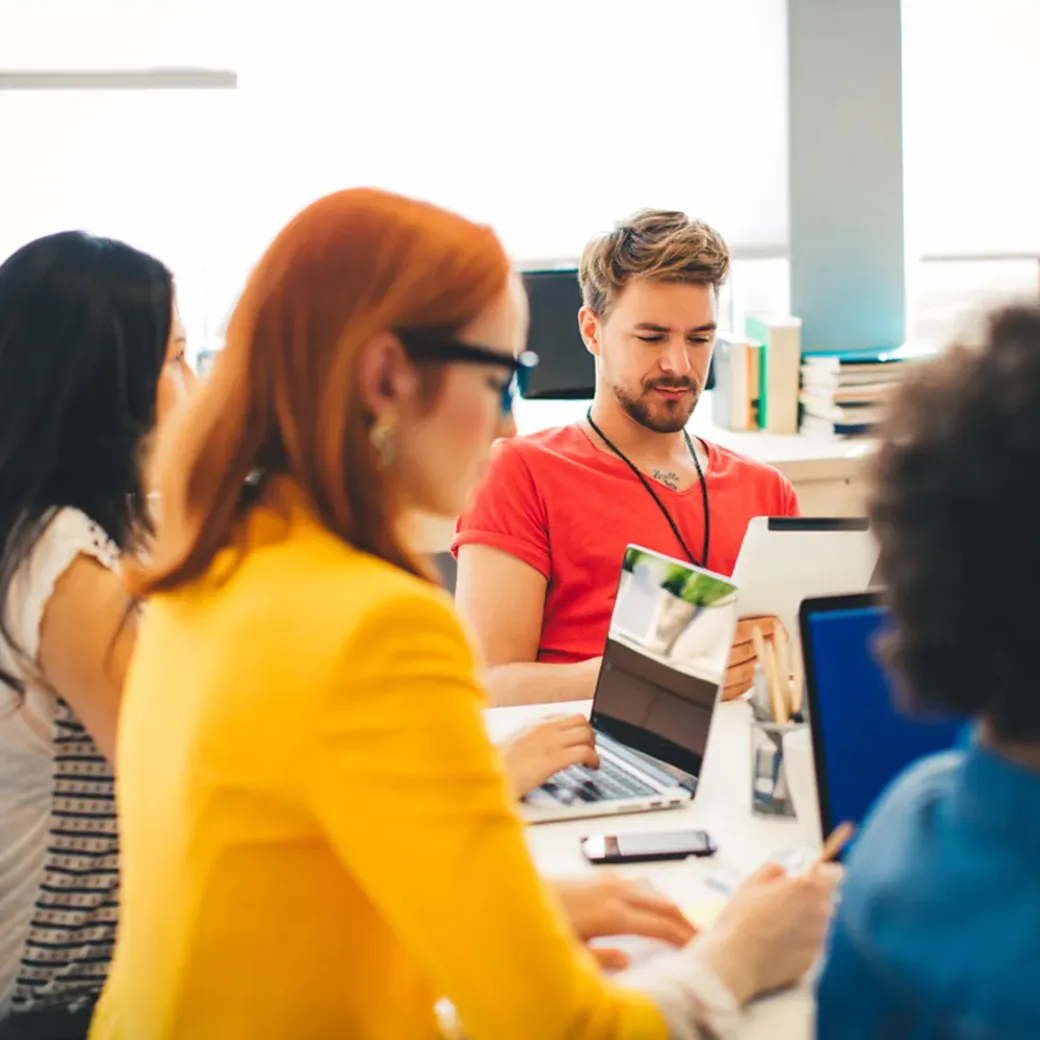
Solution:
(702, 915)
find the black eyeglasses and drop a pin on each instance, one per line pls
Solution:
(469, 354)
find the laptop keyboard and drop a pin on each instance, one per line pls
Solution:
(576, 783)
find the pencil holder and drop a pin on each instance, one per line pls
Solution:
(770, 794)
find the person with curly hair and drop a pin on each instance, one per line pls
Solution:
(938, 933)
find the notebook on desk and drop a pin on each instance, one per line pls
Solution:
(665, 657)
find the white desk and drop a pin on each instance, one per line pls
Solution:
(722, 807)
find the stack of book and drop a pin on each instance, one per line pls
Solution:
(756, 375)
(843, 394)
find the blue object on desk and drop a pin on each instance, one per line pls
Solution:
(861, 739)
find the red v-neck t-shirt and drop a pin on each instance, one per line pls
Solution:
(562, 506)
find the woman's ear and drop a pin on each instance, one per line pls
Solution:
(387, 378)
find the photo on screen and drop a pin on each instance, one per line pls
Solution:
(665, 656)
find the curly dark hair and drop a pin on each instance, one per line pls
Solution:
(956, 508)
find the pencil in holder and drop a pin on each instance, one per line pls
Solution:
(770, 794)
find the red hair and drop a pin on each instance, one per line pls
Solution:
(284, 394)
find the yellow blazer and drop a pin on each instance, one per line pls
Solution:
(317, 837)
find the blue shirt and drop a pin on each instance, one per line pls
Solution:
(938, 930)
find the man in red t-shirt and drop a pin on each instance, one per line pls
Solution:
(540, 548)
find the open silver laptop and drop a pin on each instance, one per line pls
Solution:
(786, 559)
(663, 663)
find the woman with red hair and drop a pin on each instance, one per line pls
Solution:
(318, 838)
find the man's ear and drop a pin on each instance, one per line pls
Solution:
(590, 325)
(387, 379)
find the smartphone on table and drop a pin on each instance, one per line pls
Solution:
(646, 848)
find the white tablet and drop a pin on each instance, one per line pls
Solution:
(784, 560)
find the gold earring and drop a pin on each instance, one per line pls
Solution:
(383, 436)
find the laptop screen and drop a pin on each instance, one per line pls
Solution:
(861, 740)
(665, 657)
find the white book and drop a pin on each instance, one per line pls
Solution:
(781, 337)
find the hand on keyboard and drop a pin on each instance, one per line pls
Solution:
(608, 782)
(547, 748)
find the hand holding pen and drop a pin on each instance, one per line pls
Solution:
(773, 928)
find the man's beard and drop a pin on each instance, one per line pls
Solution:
(670, 419)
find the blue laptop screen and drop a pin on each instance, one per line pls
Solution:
(862, 741)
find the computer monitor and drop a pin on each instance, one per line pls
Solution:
(861, 738)
(566, 370)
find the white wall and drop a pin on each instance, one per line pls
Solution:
(971, 95)
(547, 119)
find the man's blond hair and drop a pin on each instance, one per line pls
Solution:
(656, 244)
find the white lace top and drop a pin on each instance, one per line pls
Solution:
(59, 848)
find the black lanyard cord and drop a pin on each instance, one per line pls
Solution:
(653, 494)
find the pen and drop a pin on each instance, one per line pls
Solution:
(782, 647)
(776, 702)
(797, 683)
(839, 838)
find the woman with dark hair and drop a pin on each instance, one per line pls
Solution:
(938, 933)
(319, 839)
(91, 355)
